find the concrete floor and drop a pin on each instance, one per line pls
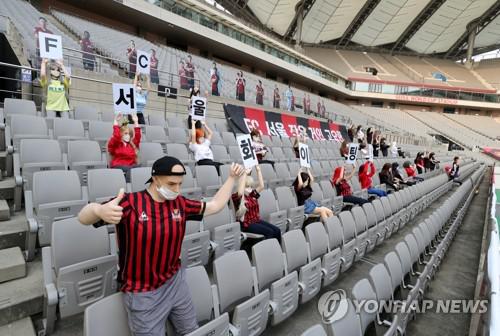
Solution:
(456, 266)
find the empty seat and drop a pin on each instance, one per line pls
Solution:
(44, 206)
(267, 258)
(229, 139)
(84, 155)
(175, 122)
(203, 294)
(178, 135)
(157, 120)
(349, 324)
(86, 113)
(149, 153)
(155, 134)
(336, 202)
(297, 259)
(180, 151)
(224, 231)
(97, 316)
(79, 268)
(318, 240)
(138, 178)
(295, 213)
(189, 187)
(37, 155)
(207, 179)
(234, 153)
(239, 293)
(283, 172)
(363, 236)
(350, 248)
(221, 154)
(101, 132)
(269, 211)
(104, 184)
(26, 127)
(18, 106)
(66, 130)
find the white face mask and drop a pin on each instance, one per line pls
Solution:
(201, 140)
(248, 190)
(167, 194)
(126, 137)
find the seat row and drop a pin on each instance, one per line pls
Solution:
(403, 278)
(278, 278)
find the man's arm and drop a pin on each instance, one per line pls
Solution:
(110, 212)
(222, 196)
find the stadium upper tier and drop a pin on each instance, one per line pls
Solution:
(405, 69)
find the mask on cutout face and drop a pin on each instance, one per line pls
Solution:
(126, 137)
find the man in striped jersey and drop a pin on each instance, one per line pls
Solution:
(150, 227)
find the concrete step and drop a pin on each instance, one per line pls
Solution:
(23, 327)
(13, 231)
(23, 297)
(12, 264)
(4, 210)
(7, 186)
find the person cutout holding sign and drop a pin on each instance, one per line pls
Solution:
(123, 146)
(246, 203)
(151, 223)
(56, 102)
(303, 191)
(365, 173)
(200, 146)
(141, 96)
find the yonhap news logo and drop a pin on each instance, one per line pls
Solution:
(334, 305)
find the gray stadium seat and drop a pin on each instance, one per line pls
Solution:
(362, 234)
(157, 120)
(383, 225)
(239, 294)
(66, 130)
(84, 155)
(234, 153)
(319, 197)
(283, 172)
(155, 134)
(97, 316)
(286, 201)
(107, 116)
(178, 135)
(189, 187)
(221, 154)
(381, 282)
(297, 259)
(44, 206)
(337, 202)
(104, 184)
(149, 152)
(86, 113)
(229, 139)
(207, 179)
(268, 259)
(176, 122)
(35, 155)
(269, 211)
(216, 138)
(393, 265)
(25, 127)
(350, 248)
(204, 296)
(138, 178)
(347, 325)
(79, 256)
(318, 240)
(361, 291)
(180, 151)
(362, 218)
(225, 233)
(101, 132)
(18, 106)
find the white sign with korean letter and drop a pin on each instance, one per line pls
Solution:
(124, 98)
(246, 150)
(50, 46)
(304, 156)
(198, 108)
(143, 62)
(353, 152)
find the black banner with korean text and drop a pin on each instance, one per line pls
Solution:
(243, 119)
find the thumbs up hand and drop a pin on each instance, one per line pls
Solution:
(112, 212)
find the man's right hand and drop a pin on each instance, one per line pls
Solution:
(111, 212)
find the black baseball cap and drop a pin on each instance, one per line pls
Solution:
(163, 167)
